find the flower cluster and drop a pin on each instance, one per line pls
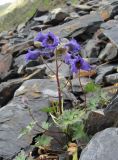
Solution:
(47, 46)
(74, 59)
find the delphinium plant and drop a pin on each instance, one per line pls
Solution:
(70, 122)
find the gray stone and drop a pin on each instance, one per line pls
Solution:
(102, 71)
(110, 29)
(21, 27)
(56, 16)
(112, 78)
(77, 26)
(40, 27)
(5, 64)
(19, 47)
(64, 70)
(113, 105)
(13, 118)
(109, 52)
(43, 88)
(20, 60)
(103, 146)
(83, 7)
(101, 119)
(41, 19)
(8, 88)
(76, 87)
(92, 49)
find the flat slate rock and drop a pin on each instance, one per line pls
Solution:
(76, 26)
(110, 30)
(13, 118)
(44, 88)
(5, 64)
(103, 146)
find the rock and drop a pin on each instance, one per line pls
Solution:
(8, 88)
(109, 52)
(41, 19)
(56, 16)
(77, 26)
(83, 7)
(40, 27)
(73, 15)
(3, 42)
(20, 60)
(3, 34)
(92, 49)
(110, 29)
(104, 118)
(21, 27)
(112, 78)
(44, 88)
(109, 9)
(64, 70)
(103, 71)
(5, 64)
(112, 106)
(13, 118)
(103, 146)
(93, 60)
(20, 47)
(97, 121)
(76, 87)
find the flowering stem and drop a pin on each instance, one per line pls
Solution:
(82, 89)
(58, 84)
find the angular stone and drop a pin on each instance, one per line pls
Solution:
(19, 47)
(43, 88)
(77, 26)
(40, 27)
(103, 146)
(112, 78)
(64, 70)
(103, 118)
(8, 88)
(83, 7)
(5, 64)
(109, 9)
(41, 19)
(102, 71)
(13, 118)
(56, 16)
(110, 29)
(20, 60)
(92, 49)
(109, 52)
(76, 87)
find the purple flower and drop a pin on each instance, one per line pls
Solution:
(67, 58)
(40, 37)
(50, 41)
(32, 55)
(46, 52)
(79, 63)
(73, 46)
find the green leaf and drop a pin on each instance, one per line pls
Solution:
(69, 117)
(48, 109)
(43, 141)
(21, 156)
(45, 125)
(91, 87)
(78, 132)
(27, 129)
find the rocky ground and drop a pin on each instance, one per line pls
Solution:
(94, 24)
